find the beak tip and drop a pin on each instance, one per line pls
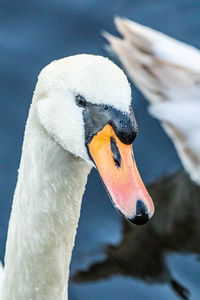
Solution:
(140, 219)
(142, 216)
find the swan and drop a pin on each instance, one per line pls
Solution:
(167, 72)
(80, 117)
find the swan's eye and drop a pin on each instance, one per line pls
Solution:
(80, 101)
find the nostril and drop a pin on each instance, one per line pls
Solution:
(115, 152)
(142, 215)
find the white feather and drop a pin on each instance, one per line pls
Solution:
(1, 276)
(168, 73)
(53, 173)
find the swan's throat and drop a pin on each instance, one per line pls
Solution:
(44, 218)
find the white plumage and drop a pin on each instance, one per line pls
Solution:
(1, 274)
(168, 73)
(53, 173)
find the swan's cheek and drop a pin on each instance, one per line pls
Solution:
(116, 165)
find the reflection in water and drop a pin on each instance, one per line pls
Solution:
(142, 252)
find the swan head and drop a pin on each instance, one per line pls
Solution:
(84, 103)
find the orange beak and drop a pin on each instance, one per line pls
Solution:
(116, 165)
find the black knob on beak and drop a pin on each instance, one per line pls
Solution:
(142, 215)
(96, 117)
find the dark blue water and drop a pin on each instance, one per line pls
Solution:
(32, 33)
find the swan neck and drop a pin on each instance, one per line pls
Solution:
(44, 218)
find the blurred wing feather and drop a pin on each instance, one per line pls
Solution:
(168, 73)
